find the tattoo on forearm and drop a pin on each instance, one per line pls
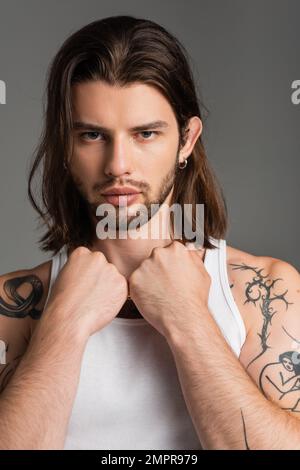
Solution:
(245, 432)
(23, 306)
(280, 381)
(265, 295)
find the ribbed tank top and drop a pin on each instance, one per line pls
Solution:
(129, 395)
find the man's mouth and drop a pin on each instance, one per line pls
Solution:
(120, 199)
(121, 196)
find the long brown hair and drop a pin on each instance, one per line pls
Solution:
(119, 50)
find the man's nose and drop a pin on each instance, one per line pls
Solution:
(118, 159)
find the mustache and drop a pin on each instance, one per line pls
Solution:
(137, 185)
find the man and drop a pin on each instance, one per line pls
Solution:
(138, 343)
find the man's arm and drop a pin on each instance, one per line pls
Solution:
(22, 297)
(38, 377)
(36, 404)
(232, 402)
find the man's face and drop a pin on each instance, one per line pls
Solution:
(143, 159)
(288, 364)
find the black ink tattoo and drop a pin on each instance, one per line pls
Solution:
(23, 307)
(245, 432)
(281, 381)
(265, 299)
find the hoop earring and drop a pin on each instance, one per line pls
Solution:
(182, 165)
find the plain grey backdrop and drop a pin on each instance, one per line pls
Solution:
(245, 56)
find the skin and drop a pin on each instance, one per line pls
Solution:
(221, 391)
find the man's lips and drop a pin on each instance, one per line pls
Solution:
(121, 199)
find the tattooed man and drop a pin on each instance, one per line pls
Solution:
(140, 342)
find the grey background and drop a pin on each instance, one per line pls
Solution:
(245, 56)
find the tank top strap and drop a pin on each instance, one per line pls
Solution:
(210, 255)
(223, 273)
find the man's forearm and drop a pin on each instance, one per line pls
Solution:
(226, 406)
(36, 404)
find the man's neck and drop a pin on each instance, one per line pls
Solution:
(128, 253)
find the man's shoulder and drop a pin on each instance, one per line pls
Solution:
(254, 279)
(23, 292)
(236, 256)
(240, 262)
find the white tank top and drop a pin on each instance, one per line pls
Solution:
(129, 395)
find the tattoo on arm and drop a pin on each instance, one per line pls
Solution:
(23, 306)
(245, 432)
(280, 381)
(264, 294)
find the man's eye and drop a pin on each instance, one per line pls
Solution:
(92, 135)
(147, 132)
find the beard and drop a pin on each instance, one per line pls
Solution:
(121, 217)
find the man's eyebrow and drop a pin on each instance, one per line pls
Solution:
(95, 127)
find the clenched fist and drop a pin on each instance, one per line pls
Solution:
(89, 291)
(171, 288)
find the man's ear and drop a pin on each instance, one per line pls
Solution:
(192, 133)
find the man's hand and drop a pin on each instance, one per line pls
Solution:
(171, 287)
(89, 291)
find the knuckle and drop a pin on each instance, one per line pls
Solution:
(178, 245)
(112, 268)
(80, 250)
(123, 282)
(132, 278)
(98, 255)
(155, 250)
(154, 253)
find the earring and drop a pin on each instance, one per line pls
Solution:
(183, 164)
(65, 166)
